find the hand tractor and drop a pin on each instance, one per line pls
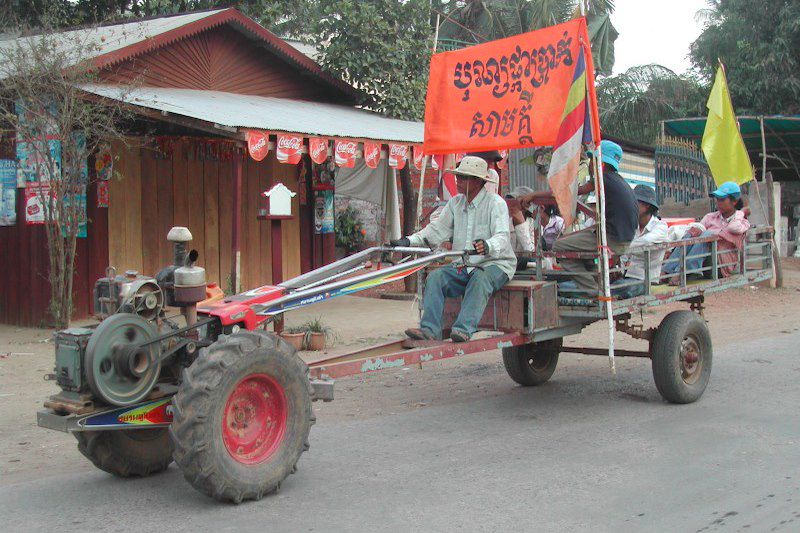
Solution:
(171, 374)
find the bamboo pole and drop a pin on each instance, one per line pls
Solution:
(425, 158)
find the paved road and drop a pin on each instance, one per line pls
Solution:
(585, 452)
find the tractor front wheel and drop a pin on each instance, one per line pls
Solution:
(242, 416)
(127, 453)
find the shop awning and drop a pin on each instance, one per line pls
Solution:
(235, 111)
(781, 136)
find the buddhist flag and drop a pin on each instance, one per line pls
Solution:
(722, 142)
(575, 129)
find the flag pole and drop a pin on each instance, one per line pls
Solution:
(425, 158)
(602, 238)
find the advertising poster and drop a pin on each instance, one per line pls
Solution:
(104, 165)
(80, 199)
(28, 157)
(34, 194)
(8, 190)
(323, 212)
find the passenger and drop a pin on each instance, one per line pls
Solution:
(521, 223)
(553, 226)
(651, 230)
(622, 219)
(728, 223)
(474, 219)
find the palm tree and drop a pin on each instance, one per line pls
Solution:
(633, 103)
(468, 22)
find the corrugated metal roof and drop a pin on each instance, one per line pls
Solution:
(101, 40)
(267, 113)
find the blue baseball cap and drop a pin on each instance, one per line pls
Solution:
(612, 153)
(728, 188)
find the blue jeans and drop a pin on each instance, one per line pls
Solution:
(630, 291)
(673, 264)
(449, 282)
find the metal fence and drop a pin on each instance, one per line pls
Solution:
(682, 173)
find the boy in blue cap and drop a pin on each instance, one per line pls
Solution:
(622, 220)
(728, 223)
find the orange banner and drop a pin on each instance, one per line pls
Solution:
(503, 94)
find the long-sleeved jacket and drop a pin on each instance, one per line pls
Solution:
(732, 232)
(486, 218)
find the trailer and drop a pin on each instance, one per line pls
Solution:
(229, 401)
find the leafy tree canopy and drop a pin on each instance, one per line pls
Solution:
(758, 42)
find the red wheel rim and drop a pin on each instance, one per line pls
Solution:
(254, 419)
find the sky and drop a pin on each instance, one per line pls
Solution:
(655, 32)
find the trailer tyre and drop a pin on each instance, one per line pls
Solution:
(242, 416)
(532, 364)
(127, 453)
(681, 355)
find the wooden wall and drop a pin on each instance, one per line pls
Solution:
(156, 193)
(25, 293)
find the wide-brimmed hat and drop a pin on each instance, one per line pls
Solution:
(646, 194)
(728, 188)
(474, 167)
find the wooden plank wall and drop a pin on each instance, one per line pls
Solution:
(156, 193)
(25, 294)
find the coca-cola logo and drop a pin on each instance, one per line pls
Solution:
(33, 209)
(317, 150)
(292, 143)
(258, 144)
(398, 149)
(372, 154)
(346, 148)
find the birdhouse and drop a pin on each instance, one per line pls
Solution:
(279, 201)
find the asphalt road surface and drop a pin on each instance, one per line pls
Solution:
(587, 451)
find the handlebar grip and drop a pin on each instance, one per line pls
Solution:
(471, 252)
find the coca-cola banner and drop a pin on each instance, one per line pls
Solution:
(397, 155)
(258, 144)
(418, 155)
(318, 149)
(345, 153)
(372, 154)
(289, 149)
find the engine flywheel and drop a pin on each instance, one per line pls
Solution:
(118, 368)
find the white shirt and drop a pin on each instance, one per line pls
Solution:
(655, 232)
(522, 236)
(486, 218)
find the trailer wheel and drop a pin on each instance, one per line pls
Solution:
(532, 364)
(242, 416)
(681, 354)
(127, 453)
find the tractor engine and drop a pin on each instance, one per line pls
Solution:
(137, 343)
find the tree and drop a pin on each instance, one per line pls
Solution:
(58, 127)
(758, 43)
(477, 21)
(633, 103)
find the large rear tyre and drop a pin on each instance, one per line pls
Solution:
(681, 354)
(127, 453)
(241, 416)
(532, 364)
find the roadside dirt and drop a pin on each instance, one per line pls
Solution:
(26, 355)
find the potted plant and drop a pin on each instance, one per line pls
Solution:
(295, 336)
(317, 334)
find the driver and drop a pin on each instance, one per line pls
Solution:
(474, 219)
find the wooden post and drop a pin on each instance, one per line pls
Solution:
(772, 209)
(276, 252)
(236, 269)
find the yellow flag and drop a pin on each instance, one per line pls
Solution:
(722, 142)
